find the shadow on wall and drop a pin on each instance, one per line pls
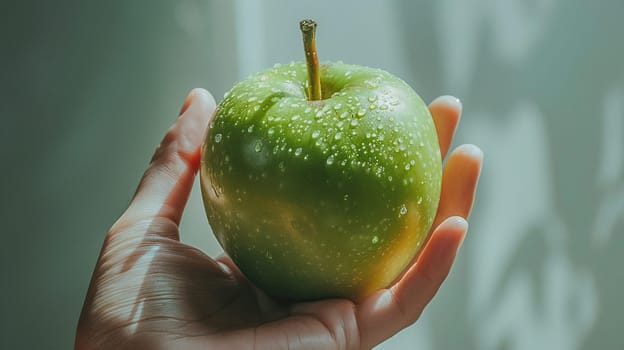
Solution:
(542, 100)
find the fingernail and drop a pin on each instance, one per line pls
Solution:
(450, 101)
(224, 267)
(457, 222)
(187, 102)
(471, 150)
(461, 243)
(460, 224)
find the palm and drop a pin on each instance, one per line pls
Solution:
(149, 290)
(166, 291)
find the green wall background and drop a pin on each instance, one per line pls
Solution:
(88, 88)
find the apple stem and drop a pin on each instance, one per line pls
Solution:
(308, 29)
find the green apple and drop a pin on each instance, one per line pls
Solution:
(320, 190)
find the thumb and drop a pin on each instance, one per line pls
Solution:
(168, 180)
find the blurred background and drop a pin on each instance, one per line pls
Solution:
(88, 89)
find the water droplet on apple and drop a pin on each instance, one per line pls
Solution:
(383, 107)
(258, 146)
(375, 240)
(407, 166)
(271, 131)
(298, 151)
(337, 106)
(354, 122)
(253, 98)
(343, 115)
(346, 197)
(296, 116)
(403, 210)
(330, 160)
(318, 114)
(282, 166)
(371, 84)
(338, 136)
(420, 200)
(218, 138)
(361, 112)
(215, 190)
(372, 106)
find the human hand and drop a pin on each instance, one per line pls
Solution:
(149, 290)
